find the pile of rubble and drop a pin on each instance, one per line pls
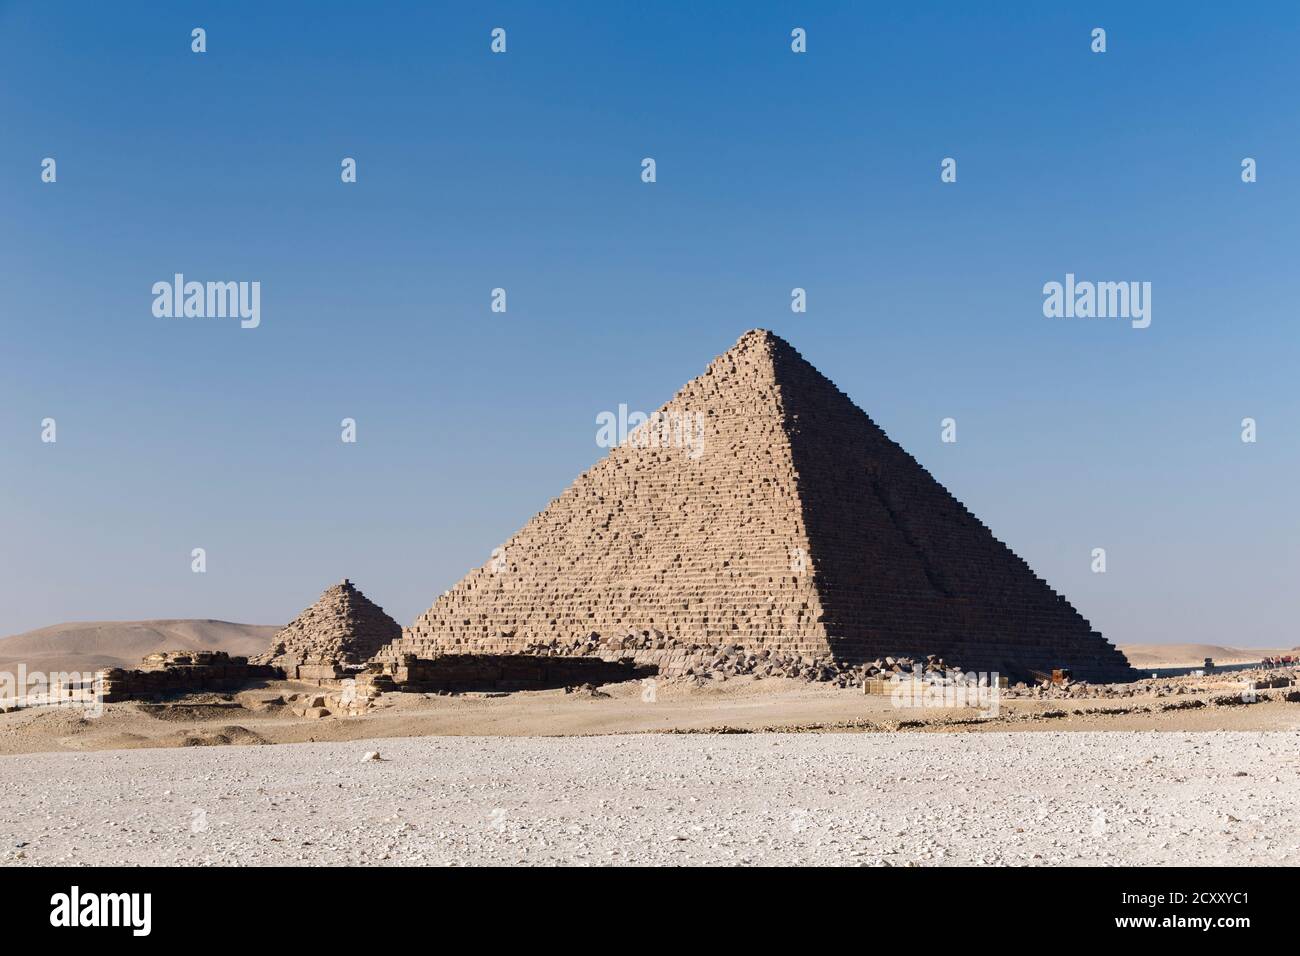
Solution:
(1071, 690)
(682, 660)
(353, 699)
(1259, 679)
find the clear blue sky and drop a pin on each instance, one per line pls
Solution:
(775, 170)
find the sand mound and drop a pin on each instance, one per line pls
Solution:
(221, 737)
(92, 645)
(1189, 655)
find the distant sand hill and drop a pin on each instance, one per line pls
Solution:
(91, 645)
(1186, 655)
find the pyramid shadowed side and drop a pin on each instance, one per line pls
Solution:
(901, 566)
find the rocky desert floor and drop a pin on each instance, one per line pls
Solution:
(1087, 798)
(738, 772)
(266, 715)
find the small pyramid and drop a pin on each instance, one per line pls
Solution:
(344, 626)
(785, 521)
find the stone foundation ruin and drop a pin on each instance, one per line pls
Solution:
(172, 673)
(511, 672)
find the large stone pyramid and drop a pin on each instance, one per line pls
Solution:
(796, 525)
(344, 626)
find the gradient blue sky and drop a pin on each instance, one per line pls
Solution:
(775, 170)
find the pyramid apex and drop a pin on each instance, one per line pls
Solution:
(758, 340)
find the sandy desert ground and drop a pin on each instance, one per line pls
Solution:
(1119, 798)
(266, 715)
(737, 771)
(1193, 655)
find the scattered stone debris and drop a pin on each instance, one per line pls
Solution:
(700, 663)
(586, 690)
(1241, 687)
(1182, 705)
(1221, 688)
(351, 699)
(1234, 700)
(723, 729)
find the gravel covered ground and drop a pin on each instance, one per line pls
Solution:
(1110, 798)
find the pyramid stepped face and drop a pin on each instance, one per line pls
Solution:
(791, 522)
(343, 626)
(689, 543)
(902, 566)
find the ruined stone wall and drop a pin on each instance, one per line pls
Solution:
(166, 677)
(469, 672)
